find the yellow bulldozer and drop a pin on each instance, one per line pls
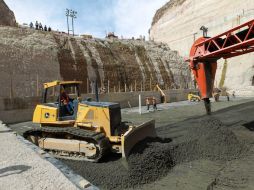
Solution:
(193, 96)
(83, 130)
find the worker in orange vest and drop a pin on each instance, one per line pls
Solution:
(154, 103)
(147, 103)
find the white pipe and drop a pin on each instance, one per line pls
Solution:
(139, 103)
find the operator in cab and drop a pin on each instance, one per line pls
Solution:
(66, 101)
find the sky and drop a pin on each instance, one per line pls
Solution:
(127, 18)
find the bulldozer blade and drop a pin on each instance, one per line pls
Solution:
(137, 134)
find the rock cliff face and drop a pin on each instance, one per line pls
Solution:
(7, 17)
(30, 57)
(178, 23)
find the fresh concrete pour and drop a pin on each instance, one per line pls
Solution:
(194, 152)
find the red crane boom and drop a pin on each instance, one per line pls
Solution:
(205, 52)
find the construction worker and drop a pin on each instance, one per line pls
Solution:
(154, 103)
(233, 94)
(65, 100)
(147, 102)
(227, 94)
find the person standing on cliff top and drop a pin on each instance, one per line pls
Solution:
(31, 25)
(45, 28)
(36, 25)
(40, 26)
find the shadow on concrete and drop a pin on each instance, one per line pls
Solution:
(249, 125)
(16, 169)
(6, 131)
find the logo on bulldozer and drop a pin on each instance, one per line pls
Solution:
(47, 115)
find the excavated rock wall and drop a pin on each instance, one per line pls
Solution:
(7, 17)
(30, 57)
(178, 22)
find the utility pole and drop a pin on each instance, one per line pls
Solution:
(194, 36)
(72, 14)
(67, 12)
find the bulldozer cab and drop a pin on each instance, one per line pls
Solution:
(59, 102)
(67, 98)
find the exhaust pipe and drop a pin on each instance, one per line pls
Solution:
(96, 92)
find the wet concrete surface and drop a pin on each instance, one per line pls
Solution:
(232, 172)
(204, 152)
(177, 111)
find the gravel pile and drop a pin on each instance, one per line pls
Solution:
(153, 158)
(150, 160)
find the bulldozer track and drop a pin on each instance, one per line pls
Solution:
(98, 138)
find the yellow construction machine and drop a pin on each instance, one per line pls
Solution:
(83, 130)
(193, 96)
(163, 95)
